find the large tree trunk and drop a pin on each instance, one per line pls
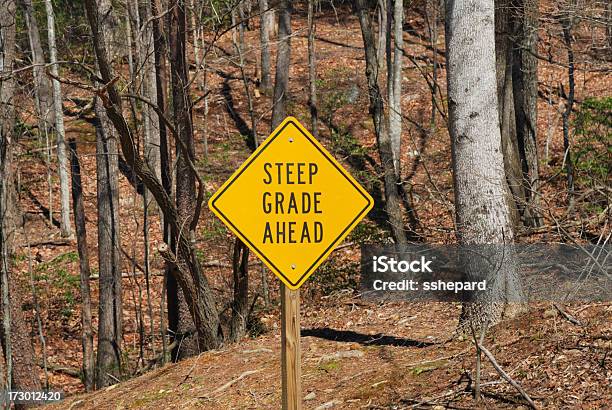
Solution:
(81, 234)
(108, 366)
(482, 212)
(186, 201)
(62, 161)
(180, 322)
(385, 149)
(16, 343)
(524, 19)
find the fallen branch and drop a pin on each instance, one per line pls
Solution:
(567, 316)
(51, 242)
(231, 382)
(68, 371)
(505, 375)
(153, 362)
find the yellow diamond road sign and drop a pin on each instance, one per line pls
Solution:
(291, 202)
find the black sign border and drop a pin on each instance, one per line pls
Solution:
(246, 166)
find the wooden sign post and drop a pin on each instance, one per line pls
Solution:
(291, 203)
(291, 368)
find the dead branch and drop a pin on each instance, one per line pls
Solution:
(567, 316)
(505, 375)
(50, 242)
(231, 382)
(67, 370)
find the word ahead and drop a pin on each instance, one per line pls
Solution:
(291, 203)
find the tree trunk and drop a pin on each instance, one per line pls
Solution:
(482, 212)
(524, 17)
(512, 163)
(62, 161)
(152, 128)
(42, 88)
(186, 202)
(567, 25)
(240, 305)
(22, 371)
(81, 235)
(181, 324)
(159, 50)
(383, 32)
(264, 33)
(283, 60)
(312, 72)
(394, 84)
(110, 322)
(188, 272)
(385, 150)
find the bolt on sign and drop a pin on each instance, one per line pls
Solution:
(291, 203)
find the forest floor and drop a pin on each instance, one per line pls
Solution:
(356, 354)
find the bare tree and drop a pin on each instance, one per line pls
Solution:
(385, 148)
(312, 71)
(283, 59)
(240, 305)
(149, 90)
(62, 160)
(512, 162)
(567, 24)
(22, 371)
(186, 268)
(42, 87)
(394, 82)
(482, 211)
(524, 17)
(265, 18)
(182, 325)
(85, 272)
(110, 322)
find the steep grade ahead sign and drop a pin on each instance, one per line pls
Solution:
(291, 203)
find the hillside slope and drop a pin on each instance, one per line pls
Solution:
(347, 364)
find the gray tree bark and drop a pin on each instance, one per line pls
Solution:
(206, 337)
(482, 212)
(85, 272)
(264, 32)
(312, 72)
(187, 270)
(42, 87)
(524, 15)
(110, 322)
(512, 162)
(151, 122)
(382, 13)
(394, 83)
(240, 305)
(62, 160)
(283, 60)
(22, 370)
(385, 149)
(181, 323)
